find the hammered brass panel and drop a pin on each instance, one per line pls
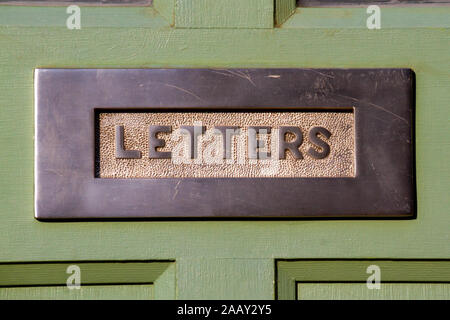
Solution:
(339, 163)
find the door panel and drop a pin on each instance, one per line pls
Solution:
(88, 280)
(357, 279)
(87, 292)
(359, 291)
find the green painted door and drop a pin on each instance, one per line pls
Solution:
(224, 259)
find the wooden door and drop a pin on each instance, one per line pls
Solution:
(226, 259)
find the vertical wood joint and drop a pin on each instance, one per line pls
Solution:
(283, 9)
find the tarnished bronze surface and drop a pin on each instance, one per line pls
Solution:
(98, 123)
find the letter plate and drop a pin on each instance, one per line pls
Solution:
(224, 143)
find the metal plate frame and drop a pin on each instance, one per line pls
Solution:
(65, 104)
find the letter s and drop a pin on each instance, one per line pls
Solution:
(314, 138)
